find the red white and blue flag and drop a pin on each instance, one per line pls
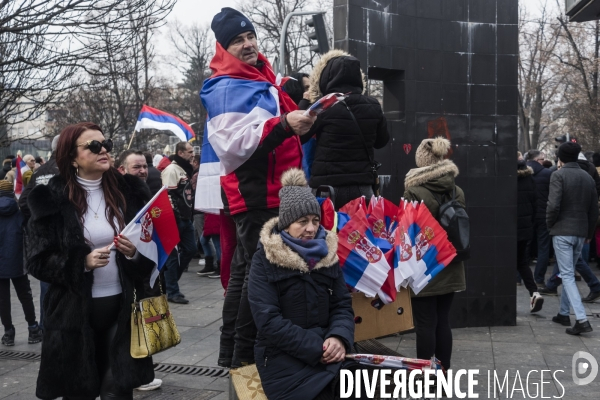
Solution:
(154, 231)
(152, 118)
(21, 168)
(243, 105)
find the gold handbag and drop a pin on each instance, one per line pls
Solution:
(153, 328)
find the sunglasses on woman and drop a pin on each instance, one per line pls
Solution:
(96, 147)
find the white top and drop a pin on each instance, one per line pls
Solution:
(100, 234)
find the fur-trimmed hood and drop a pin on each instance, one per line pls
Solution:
(278, 253)
(522, 173)
(420, 176)
(317, 88)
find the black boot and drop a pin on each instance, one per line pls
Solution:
(217, 273)
(564, 320)
(209, 267)
(35, 334)
(579, 327)
(9, 337)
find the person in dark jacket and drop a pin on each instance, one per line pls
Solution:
(299, 300)
(74, 220)
(153, 180)
(6, 166)
(433, 180)
(571, 216)
(588, 167)
(344, 156)
(526, 211)
(11, 268)
(40, 177)
(541, 177)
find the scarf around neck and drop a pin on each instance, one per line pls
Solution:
(187, 167)
(311, 251)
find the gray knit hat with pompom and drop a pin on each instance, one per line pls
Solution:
(296, 198)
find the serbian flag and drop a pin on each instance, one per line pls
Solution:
(364, 265)
(154, 231)
(328, 214)
(422, 246)
(21, 169)
(208, 187)
(151, 118)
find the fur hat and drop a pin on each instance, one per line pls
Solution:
(6, 188)
(569, 152)
(228, 24)
(432, 151)
(296, 198)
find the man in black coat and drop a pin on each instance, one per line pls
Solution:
(153, 180)
(526, 211)
(541, 177)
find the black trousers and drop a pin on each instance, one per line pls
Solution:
(239, 331)
(104, 323)
(523, 267)
(434, 336)
(23, 289)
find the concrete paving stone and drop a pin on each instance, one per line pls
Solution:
(192, 382)
(219, 384)
(221, 396)
(558, 360)
(529, 359)
(7, 366)
(471, 345)
(561, 348)
(210, 360)
(391, 342)
(519, 348)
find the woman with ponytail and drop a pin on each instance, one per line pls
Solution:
(75, 219)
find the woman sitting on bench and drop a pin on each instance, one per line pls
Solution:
(299, 300)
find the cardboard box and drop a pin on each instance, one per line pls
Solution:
(371, 323)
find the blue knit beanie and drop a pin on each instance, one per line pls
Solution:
(228, 24)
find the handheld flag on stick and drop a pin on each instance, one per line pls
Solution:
(154, 231)
(152, 118)
(22, 167)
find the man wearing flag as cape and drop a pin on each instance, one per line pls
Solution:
(253, 130)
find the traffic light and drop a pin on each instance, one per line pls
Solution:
(319, 34)
(562, 139)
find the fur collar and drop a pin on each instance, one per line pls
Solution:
(522, 173)
(419, 176)
(278, 253)
(314, 90)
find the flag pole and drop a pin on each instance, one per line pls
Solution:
(131, 140)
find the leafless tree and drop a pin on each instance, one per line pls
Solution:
(538, 83)
(268, 17)
(47, 45)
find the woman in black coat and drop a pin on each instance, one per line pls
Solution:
(74, 219)
(344, 155)
(299, 300)
(526, 207)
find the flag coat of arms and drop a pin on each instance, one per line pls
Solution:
(154, 231)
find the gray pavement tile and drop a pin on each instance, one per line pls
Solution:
(555, 361)
(528, 359)
(219, 384)
(192, 382)
(8, 366)
(518, 348)
(471, 345)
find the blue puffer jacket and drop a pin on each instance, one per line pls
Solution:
(11, 245)
(295, 310)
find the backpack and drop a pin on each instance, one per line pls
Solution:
(453, 217)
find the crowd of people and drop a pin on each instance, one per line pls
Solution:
(286, 306)
(558, 215)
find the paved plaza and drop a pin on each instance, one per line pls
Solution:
(536, 343)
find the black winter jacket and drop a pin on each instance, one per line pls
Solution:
(572, 203)
(590, 169)
(57, 251)
(153, 180)
(526, 204)
(541, 177)
(11, 232)
(343, 150)
(295, 310)
(40, 177)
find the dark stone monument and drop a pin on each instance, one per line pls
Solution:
(449, 68)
